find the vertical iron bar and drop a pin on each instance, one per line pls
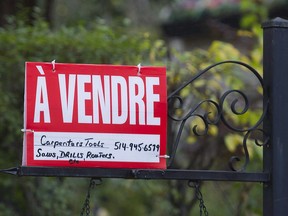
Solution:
(275, 197)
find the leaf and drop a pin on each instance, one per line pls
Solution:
(213, 130)
(232, 141)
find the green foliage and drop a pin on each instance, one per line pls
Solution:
(254, 12)
(19, 43)
(219, 79)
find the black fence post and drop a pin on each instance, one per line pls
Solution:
(275, 201)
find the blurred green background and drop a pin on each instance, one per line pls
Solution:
(183, 35)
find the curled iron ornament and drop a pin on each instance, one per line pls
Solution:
(212, 66)
(234, 159)
(204, 118)
(174, 98)
(233, 108)
(193, 109)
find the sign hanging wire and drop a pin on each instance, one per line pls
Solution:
(27, 130)
(53, 65)
(163, 156)
(139, 69)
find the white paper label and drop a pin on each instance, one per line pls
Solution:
(96, 147)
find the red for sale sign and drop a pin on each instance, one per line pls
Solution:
(88, 115)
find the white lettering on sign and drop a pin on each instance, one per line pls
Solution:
(136, 100)
(67, 100)
(153, 98)
(41, 101)
(83, 96)
(101, 99)
(109, 99)
(120, 114)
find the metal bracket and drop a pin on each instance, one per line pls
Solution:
(180, 174)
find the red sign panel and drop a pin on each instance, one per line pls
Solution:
(88, 115)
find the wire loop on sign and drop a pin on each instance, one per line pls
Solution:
(139, 69)
(163, 156)
(53, 65)
(27, 130)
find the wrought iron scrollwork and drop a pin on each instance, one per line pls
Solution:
(234, 159)
(204, 118)
(216, 114)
